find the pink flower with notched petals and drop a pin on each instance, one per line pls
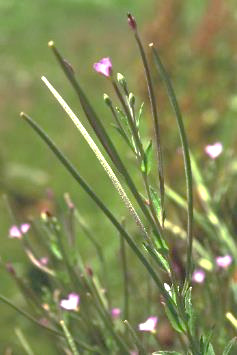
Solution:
(104, 67)
(223, 261)
(17, 232)
(149, 325)
(213, 151)
(71, 303)
(198, 276)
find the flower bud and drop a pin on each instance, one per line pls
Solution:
(131, 99)
(107, 100)
(122, 81)
(132, 22)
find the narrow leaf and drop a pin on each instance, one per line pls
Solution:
(147, 160)
(229, 346)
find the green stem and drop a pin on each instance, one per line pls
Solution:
(221, 228)
(140, 154)
(187, 163)
(24, 342)
(140, 347)
(49, 329)
(131, 121)
(125, 279)
(155, 120)
(69, 167)
(69, 338)
(122, 131)
(101, 133)
(103, 312)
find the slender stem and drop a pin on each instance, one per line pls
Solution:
(140, 149)
(151, 204)
(99, 156)
(125, 279)
(103, 312)
(131, 122)
(74, 279)
(142, 350)
(155, 120)
(187, 162)
(70, 168)
(122, 131)
(97, 246)
(221, 228)
(49, 329)
(24, 342)
(101, 133)
(69, 338)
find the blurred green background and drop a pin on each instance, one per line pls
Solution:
(197, 41)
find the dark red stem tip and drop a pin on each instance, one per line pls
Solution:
(131, 21)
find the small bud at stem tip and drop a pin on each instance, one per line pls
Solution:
(51, 44)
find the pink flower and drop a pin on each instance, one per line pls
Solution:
(213, 151)
(44, 260)
(71, 303)
(223, 261)
(104, 66)
(17, 232)
(149, 325)
(198, 276)
(115, 313)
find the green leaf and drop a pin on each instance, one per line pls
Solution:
(176, 323)
(210, 350)
(122, 116)
(206, 347)
(147, 160)
(229, 346)
(55, 250)
(189, 308)
(161, 261)
(122, 134)
(156, 201)
(140, 112)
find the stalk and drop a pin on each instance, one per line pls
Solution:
(186, 156)
(100, 132)
(70, 168)
(155, 118)
(98, 155)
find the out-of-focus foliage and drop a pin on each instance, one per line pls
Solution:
(197, 40)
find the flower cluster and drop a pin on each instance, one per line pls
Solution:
(18, 232)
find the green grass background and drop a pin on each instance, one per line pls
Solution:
(85, 31)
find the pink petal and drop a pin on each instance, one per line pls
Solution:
(198, 276)
(44, 260)
(149, 325)
(213, 151)
(223, 261)
(71, 303)
(15, 232)
(115, 313)
(104, 66)
(24, 228)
